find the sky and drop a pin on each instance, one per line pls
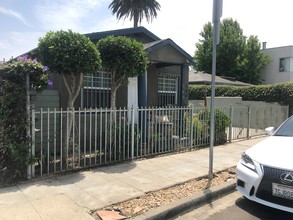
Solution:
(23, 22)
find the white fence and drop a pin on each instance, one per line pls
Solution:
(76, 139)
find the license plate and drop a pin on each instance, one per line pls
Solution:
(282, 191)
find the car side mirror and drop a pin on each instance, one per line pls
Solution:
(269, 131)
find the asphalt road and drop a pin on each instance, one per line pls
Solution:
(234, 207)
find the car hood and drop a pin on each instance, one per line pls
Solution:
(275, 151)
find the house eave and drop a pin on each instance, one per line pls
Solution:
(95, 36)
(161, 43)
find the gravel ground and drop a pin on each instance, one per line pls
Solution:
(153, 200)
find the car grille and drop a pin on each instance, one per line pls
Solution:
(264, 192)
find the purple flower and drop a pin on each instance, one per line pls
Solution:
(26, 59)
(50, 82)
(22, 58)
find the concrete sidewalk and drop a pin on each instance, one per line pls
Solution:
(73, 196)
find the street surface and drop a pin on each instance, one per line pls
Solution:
(234, 207)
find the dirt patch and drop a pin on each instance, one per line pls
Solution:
(153, 200)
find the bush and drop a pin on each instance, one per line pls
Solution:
(281, 93)
(14, 144)
(118, 140)
(201, 123)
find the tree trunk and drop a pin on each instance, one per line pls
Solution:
(73, 86)
(113, 98)
(113, 101)
(135, 20)
(116, 83)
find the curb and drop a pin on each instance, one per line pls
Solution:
(184, 205)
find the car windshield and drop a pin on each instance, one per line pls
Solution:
(286, 129)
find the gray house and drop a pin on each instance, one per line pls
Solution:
(280, 69)
(165, 82)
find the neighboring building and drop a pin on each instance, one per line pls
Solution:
(280, 69)
(201, 78)
(165, 82)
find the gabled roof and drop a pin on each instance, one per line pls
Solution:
(138, 32)
(206, 78)
(155, 45)
(151, 41)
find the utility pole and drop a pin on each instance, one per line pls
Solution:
(217, 14)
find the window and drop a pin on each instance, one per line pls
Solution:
(96, 91)
(286, 64)
(167, 89)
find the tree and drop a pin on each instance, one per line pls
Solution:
(234, 53)
(252, 61)
(123, 57)
(70, 55)
(135, 9)
(203, 54)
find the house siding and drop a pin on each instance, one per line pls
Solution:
(152, 85)
(121, 97)
(167, 54)
(47, 99)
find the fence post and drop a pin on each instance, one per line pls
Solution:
(191, 127)
(230, 127)
(61, 138)
(55, 138)
(132, 133)
(48, 140)
(33, 139)
(31, 167)
(248, 124)
(28, 112)
(67, 137)
(271, 113)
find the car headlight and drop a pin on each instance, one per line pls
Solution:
(248, 162)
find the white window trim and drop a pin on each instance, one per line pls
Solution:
(174, 90)
(92, 87)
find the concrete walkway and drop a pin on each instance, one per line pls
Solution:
(73, 196)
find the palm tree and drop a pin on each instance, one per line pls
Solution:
(135, 9)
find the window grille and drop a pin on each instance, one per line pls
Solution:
(96, 91)
(168, 89)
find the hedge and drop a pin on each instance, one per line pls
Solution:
(281, 93)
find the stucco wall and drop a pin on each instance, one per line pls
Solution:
(271, 73)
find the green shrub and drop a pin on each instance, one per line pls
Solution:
(118, 140)
(14, 144)
(201, 123)
(281, 93)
